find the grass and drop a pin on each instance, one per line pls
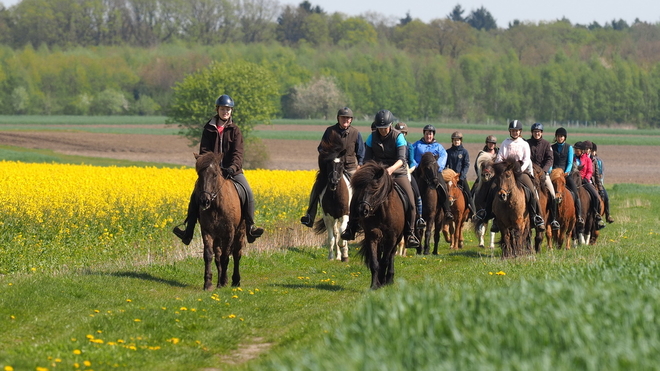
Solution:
(589, 308)
(11, 153)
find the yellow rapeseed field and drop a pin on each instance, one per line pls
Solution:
(47, 209)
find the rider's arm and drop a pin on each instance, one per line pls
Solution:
(571, 157)
(359, 150)
(442, 157)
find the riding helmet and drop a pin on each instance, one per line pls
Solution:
(588, 144)
(594, 147)
(345, 112)
(224, 101)
(561, 132)
(515, 125)
(402, 127)
(580, 145)
(537, 126)
(383, 119)
(429, 128)
(491, 139)
(456, 135)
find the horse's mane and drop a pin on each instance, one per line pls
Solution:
(207, 159)
(448, 174)
(509, 164)
(557, 174)
(427, 160)
(484, 162)
(374, 179)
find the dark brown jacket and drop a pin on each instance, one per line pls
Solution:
(541, 153)
(230, 142)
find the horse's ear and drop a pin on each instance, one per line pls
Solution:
(196, 155)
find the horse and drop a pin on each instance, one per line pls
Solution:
(453, 230)
(583, 236)
(335, 197)
(382, 217)
(565, 211)
(426, 174)
(220, 219)
(480, 191)
(544, 206)
(510, 209)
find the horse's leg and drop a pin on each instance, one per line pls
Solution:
(208, 260)
(342, 245)
(373, 263)
(481, 231)
(492, 240)
(331, 229)
(389, 276)
(222, 261)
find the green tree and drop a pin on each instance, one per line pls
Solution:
(252, 87)
(456, 14)
(356, 31)
(481, 19)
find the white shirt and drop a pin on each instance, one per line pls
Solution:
(519, 150)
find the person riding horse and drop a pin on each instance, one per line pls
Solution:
(585, 165)
(421, 223)
(599, 181)
(458, 159)
(563, 158)
(387, 146)
(353, 158)
(542, 156)
(488, 153)
(428, 144)
(222, 135)
(517, 148)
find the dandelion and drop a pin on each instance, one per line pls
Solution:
(500, 273)
(8, 368)
(232, 316)
(87, 363)
(128, 300)
(41, 368)
(174, 340)
(137, 320)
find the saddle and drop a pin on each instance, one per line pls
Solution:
(242, 194)
(404, 198)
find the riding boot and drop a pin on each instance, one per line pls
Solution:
(533, 207)
(308, 219)
(578, 213)
(186, 235)
(411, 240)
(554, 224)
(351, 229)
(421, 223)
(253, 232)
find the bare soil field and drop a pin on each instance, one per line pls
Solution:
(623, 164)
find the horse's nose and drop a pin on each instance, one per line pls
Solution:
(503, 195)
(205, 202)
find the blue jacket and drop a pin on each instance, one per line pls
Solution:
(458, 159)
(420, 147)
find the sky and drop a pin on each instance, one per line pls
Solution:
(504, 11)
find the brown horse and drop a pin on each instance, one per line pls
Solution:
(335, 196)
(382, 217)
(453, 230)
(480, 191)
(426, 175)
(565, 211)
(585, 235)
(544, 206)
(223, 228)
(510, 209)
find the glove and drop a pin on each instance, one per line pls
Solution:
(228, 172)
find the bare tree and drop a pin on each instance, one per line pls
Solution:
(318, 98)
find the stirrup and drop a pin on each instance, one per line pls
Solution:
(539, 223)
(421, 223)
(307, 221)
(449, 216)
(348, 234)
(481, 214)
(412, 242)
(580, 221)
(555, 225)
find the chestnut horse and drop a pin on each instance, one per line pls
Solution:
(426, 174)
(220, 219)
(453, 230)
(382, 217)
(480, 190)
(544, 206)
(335, 196)
(510, 209)
(565, 211)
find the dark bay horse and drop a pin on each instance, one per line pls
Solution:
(565, 211)
(589, 234)
(480, 190)
(335, 196)
(544, 206)
(220, 219)
(426, 174)
(382, 217)
(453, 230)
(510, 209)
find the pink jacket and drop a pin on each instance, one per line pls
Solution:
(587, 169)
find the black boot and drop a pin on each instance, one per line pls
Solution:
(253, 232)
(186, 235)
(349, 233)
(554, 224)
(599, 222)
(307, 221)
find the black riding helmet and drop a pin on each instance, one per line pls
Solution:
(224, 101)
(515, 125)
(561, 132)
(429, 128)
(383, 119)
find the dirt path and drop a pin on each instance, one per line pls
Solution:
(623, 164)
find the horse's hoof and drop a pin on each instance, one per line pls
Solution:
(426, 252)
(344, 259)
(208, 287)
(482, 246)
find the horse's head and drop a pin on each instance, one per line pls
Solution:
(558, 178)
(429, 168)
(506, 175)
(371, 185)
(487, 171)
(209, 175)
(336, 174)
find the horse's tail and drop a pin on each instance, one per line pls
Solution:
(319, 226)
(365, 246)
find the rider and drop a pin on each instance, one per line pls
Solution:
(421, 223)
(488, 153)
(516, 147)
(458, 159)
(387, 146)
(599, 180)
(353, 158)
(562, 158)
(428, 144)
(221, 135)
(585, 165)
(542, 156)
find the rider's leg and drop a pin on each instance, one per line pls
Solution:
(533, 202)
(469, 200)
(186, 234)
(308, 219)
(408, 230)
(595, 202)
(553, 203)
(253, 231)
(421, 223)
(570, 183)
(606, 201)
(353, 221)
(443, 192)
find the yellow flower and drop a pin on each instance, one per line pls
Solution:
(87, 363)
(232, 316)
(500, 273)
(8, 368)
(77, 352)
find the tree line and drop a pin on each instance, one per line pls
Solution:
(447, 69)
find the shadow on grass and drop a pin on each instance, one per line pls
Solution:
(322, 286)
(472, 254)
(141, 276)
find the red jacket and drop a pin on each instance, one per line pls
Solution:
(586, 166)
